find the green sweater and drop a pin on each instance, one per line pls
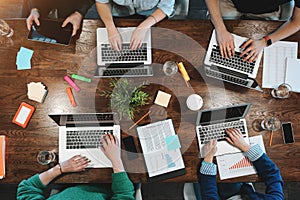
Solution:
(121, 188)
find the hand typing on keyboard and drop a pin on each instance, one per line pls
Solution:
(114, 38)
(75, 164)
(137, 38)
(236, 138)
(111, 150)
(226, 43)
(252, 48)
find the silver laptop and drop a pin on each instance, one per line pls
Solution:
(211, 124)
(234, 69)
(127, 62)
(80, 134)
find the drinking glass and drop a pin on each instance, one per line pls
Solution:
(170, 68)
(271, 124)
(282, 91)
(46, 157)
(5, 30)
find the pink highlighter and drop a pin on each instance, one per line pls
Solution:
(71, 82)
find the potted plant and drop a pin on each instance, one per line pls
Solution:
(125, 97)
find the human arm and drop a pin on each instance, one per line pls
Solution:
(266, 169)
(114, 36)
(139, 33)
(224, 37)
(208, 171)
(33, 187)
(254, 47)
(122, 187)
(76, 17)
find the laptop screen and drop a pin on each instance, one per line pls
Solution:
(223, 114)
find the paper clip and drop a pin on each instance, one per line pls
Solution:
(71, 97)
(69, 80)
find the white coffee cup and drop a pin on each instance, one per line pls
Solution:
(194, 102)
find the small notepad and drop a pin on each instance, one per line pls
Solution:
(162, 99)
(37, 91)
(2, 156)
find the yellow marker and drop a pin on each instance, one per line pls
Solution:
(183, 71)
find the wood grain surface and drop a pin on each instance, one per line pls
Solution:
(184, 41)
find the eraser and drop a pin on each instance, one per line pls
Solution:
(71, 82)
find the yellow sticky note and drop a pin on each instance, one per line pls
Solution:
(162, 99)
(183, 71)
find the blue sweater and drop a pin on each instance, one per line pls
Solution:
(265, 168)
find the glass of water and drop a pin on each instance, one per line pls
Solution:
(283, 91)
(46, 157)
(271, 124)
(170, 68)
(5, 30)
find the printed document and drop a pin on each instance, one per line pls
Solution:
(158, 158)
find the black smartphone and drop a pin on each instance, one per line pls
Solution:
(287, 132)
(130, 148)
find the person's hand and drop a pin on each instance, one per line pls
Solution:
(209, 150)
(226, 43)
(33, 17)
(75, 19)
(137, 38)
(75, 164)
(114, 38)
(252, 48)
(236, 139)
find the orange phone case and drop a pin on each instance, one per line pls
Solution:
(23, 104)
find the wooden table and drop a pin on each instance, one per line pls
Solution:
(172, 40)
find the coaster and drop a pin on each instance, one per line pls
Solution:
(162, 98)
(194, 102)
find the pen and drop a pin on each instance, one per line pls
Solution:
(69, 80)
(138, 121)
(81, 78)
(71, 97)
(271, 138)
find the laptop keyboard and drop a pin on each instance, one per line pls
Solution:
(129, 72)
(235, 62)
(226, 77)
(85, 139)
(217, 131)
(126, 54)
(90, 117)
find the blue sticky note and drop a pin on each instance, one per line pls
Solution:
(23, 58)
(172, 142)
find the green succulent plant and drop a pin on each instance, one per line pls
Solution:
(125, 98)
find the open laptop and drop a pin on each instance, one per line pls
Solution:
(233, 70)
(211, 124)
(80, 134)
(126, 62)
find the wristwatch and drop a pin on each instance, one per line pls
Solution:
(268, 40)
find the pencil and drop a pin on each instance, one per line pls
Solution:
(271, 138)
(138, 121)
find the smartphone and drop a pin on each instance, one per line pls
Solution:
(130, 148)
(287, 132)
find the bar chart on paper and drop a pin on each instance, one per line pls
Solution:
(236, 165)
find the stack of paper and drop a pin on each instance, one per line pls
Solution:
(236, 165)
(2, 156)
(37, 91)
(292, 74)
(24, 58)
